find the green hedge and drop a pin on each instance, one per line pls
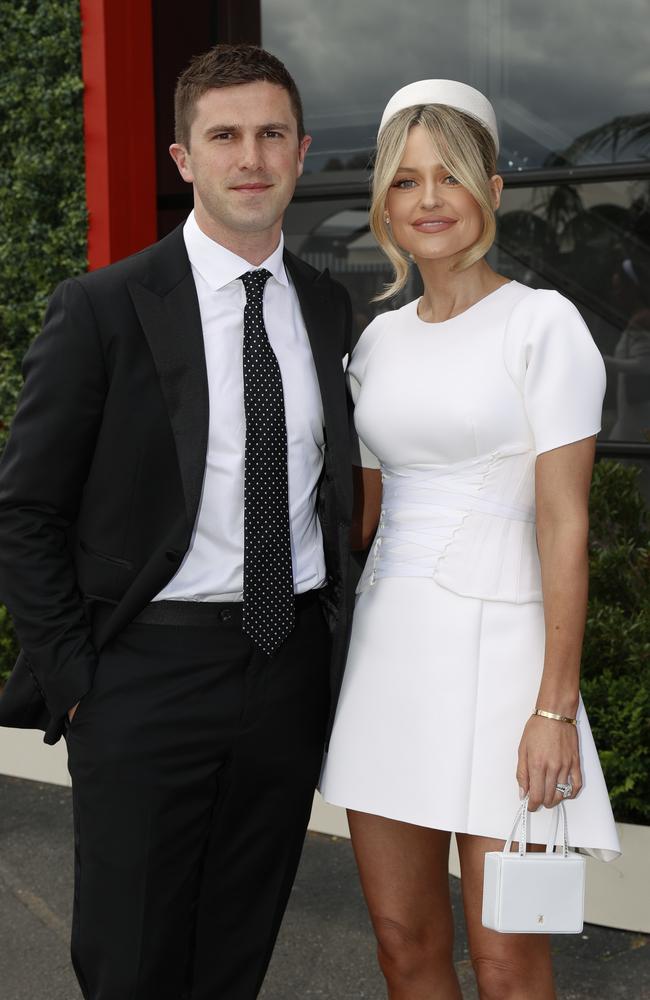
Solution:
(42, 193)
(616, 658)
(42, 187)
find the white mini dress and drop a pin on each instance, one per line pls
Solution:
(447, 645)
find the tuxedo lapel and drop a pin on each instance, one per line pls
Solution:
(168, 310)
(324, 319)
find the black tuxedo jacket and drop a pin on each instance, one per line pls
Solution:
(101, 478)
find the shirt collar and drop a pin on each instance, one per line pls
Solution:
(219, 266)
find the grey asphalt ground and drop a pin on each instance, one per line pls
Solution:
(325, 949)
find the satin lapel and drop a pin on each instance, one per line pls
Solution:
(171, 322)
(324, 321)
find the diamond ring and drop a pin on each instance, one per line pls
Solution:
(565, 790)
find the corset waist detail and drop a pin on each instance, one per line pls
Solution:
(469, 526)
(398, 495)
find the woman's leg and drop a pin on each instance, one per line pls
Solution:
(507, 966)
(403, 871)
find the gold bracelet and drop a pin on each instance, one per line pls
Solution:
(558, 718)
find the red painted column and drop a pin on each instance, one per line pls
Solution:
(119, 130)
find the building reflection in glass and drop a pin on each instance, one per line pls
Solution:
(571, 88)
(589, 241)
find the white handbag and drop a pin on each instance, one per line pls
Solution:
(534, 893)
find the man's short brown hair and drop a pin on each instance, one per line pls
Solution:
(228, 66)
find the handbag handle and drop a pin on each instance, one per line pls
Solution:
(521, 820)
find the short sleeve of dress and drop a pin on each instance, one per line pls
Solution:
(362, 456)
(553, 359)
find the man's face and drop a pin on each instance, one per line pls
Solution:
(244, 159)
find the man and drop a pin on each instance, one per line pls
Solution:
(174, 509)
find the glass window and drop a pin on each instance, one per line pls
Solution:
(592, 243)
(569, 81)
(589, 241)
(334, 233)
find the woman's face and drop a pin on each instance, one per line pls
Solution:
(431, 215)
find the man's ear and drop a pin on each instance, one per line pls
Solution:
(181, 157)
(303, 146)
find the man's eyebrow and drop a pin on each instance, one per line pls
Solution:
(213, 129)
(265, 127)
(275, 127)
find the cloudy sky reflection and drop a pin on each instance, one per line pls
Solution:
(553, 70)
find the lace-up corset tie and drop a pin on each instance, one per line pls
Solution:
(470, 526)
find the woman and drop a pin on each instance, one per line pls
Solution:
(482, 401)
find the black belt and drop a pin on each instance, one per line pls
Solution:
(208, 613)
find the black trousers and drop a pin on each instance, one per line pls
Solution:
(193, 760)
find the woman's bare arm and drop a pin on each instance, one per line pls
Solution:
(548, 752)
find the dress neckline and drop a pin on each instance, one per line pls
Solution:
(444, 322)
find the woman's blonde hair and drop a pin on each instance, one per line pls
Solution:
(466, 150)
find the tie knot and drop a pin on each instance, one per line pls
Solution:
(254, 281)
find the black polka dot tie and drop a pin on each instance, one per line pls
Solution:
(269, 606)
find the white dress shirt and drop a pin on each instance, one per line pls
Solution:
(212, 569)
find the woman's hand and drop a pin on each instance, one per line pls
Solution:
(548, 756)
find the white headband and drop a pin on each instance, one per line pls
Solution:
(456, 95)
